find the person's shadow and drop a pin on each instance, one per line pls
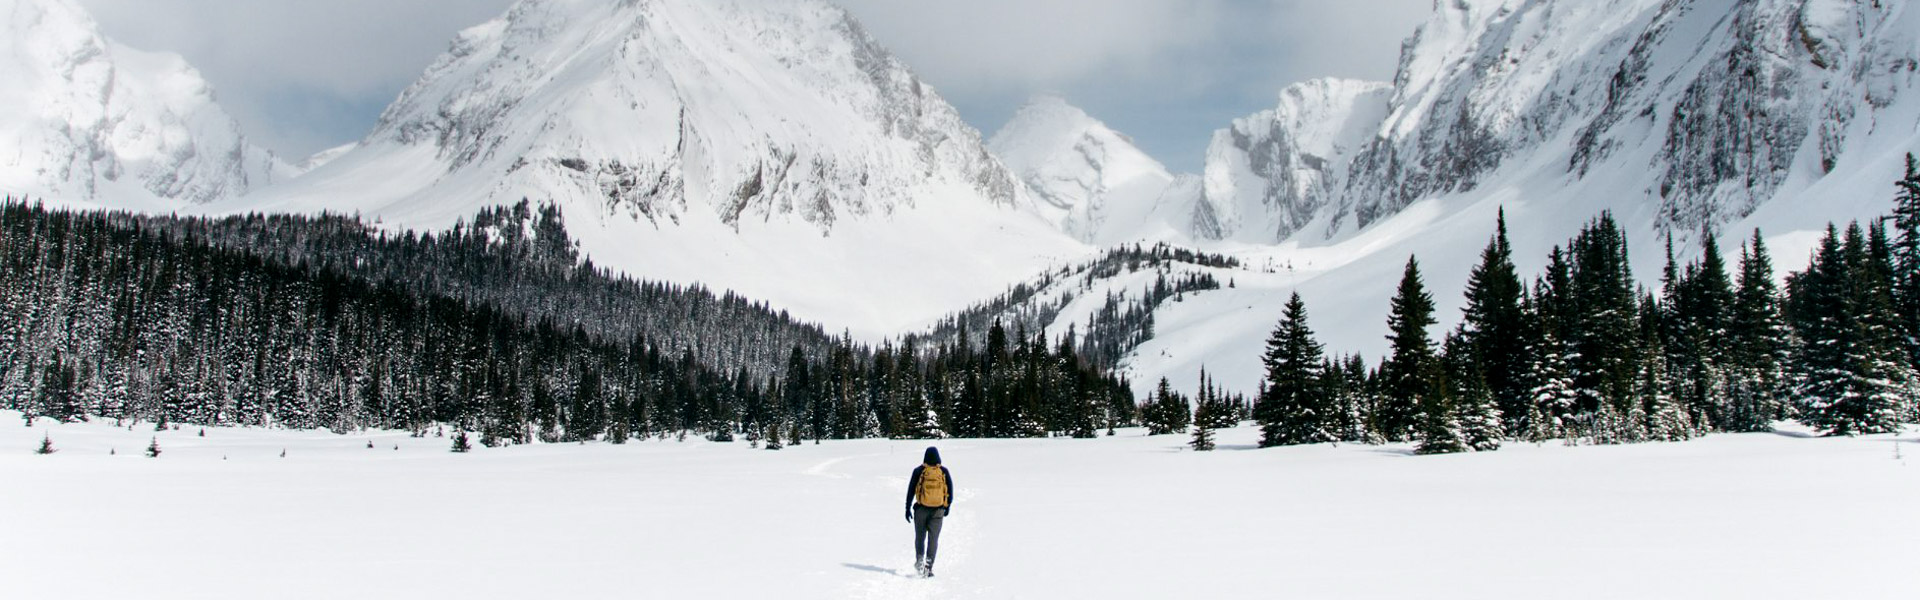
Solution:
(873, 569)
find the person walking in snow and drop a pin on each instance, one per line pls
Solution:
(929, 499)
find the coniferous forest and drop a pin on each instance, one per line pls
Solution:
(495, 327)
(499, 327)
(1586, 354)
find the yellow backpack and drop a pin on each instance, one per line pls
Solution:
(933, 487)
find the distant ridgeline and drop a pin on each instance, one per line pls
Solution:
(496, 327)
(1586, 354)
(1124, 321)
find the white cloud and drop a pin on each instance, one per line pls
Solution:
(991, 45)
(299, 74)
(1167, 72)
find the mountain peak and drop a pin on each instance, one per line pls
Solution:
(88, 120)
(668, 110)
(1270, 174)
(1099, 186)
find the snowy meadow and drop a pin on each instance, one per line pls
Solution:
(251, 513)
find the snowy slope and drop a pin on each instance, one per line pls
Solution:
(772, 148)
(1110, 191)
(89, 121)
(226, 516)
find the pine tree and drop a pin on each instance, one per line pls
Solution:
(1853, 377)
(1212, 411)
(1473, 404)
(1697, 324)
(46, 445)
(1604, 331)
(1167, 411)
(460, 443)
(153, 448)
(1758, 349)
(1495, 324)
(1553, 396)
(1206, 416)
(1437, 426)
(1408, 371)
(1292, 409)
(1906, 259)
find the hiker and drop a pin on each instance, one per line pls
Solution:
(929, 499)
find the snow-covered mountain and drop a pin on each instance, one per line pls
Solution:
(1777, 115)
(773, 148)
(1108, 190)
(671, 110)
(83, 119)
(1699, 110)
(1271, 173)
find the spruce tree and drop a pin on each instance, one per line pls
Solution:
(46, 445)
(1292, 409)
(460, 443)
(1207, 416)
(1906, 259)
(1494, 324)
(1554, 398)
(1854, 379)
(1603, 332)
(1437, 427)
(1409, 370)
(1473, 404)
(1167, 411)
(153, 448)
(1758, 345)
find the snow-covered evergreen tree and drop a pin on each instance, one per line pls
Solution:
(1408, 370)
(1757, 379)
(1854, 378)
(1554, 397)
(1293, 409)
(1473, 399)
(1437, 426)
(1906, 259)
(1494, 324)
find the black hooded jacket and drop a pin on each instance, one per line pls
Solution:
(913, 483)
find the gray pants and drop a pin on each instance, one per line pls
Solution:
(926, 533)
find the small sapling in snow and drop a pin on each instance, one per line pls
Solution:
(46, 445)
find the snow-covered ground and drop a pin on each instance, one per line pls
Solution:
(225, 516)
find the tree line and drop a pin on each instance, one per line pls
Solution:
(111, 316)
(1587, 355)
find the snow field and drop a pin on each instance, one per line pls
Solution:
(1130, 516)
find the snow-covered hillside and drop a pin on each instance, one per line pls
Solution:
(772, 148)
(1110, 191)
(89, 121)
(277, 514)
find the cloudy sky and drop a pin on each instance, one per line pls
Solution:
(303, 76)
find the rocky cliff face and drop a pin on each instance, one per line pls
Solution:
(1270, 174)
(1704, 109)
